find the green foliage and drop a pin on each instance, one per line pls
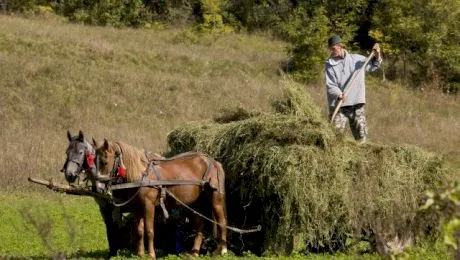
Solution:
(261, 15)
(212, 18)
(344, 17)
(106, 12)
(175, 13)
(309, 26)
(446, 203)
(307, 31)
(426, 48)
(20, 6)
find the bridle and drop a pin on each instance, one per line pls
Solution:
(118, 169)
(88, 161)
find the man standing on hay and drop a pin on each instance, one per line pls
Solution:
(346, 88)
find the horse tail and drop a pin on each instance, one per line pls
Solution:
(220, 173)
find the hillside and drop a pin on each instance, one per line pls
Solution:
(138, 85)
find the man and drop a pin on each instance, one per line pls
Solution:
(339, 69)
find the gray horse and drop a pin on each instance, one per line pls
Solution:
(80, 159)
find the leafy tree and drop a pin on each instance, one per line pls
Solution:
(426, 48)
(308, 28)
(261, 15)
(306, 32)
(212, 17)
(105, 12)
(175, 12)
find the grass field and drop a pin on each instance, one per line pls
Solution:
(137, 86)
(45, 225)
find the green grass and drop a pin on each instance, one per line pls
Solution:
(76, 230)
(41, 225)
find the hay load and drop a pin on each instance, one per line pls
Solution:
(291, 173)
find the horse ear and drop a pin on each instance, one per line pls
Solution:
(94, 143)
(106, 144)
(69, 136)
(81, 137)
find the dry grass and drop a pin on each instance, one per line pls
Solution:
(132, 85)
(137, 85)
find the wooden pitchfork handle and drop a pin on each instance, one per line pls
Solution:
(351, 84)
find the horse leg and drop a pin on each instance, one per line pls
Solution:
(112, 228)
(218, 206)
(149, 217)
(140, 234)
(199, 225)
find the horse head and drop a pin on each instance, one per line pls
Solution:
(80, 157)
(117, 159)
(105, 159)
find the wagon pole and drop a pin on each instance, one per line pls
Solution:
(63, 188)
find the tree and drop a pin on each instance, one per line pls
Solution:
(425, 48)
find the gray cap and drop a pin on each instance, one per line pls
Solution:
(334, 40)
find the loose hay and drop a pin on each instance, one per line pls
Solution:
(290, 173)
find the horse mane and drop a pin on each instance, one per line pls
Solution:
(134, 159)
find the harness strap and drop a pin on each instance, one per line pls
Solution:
(162, 192)
(156, 183)
(234, 229)
(162, 202)
(130, 199)
(157, 173)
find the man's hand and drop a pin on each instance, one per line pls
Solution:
(341, 97)
(376, 49)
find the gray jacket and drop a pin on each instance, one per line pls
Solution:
(338, 73)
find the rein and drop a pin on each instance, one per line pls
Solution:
(237, 230)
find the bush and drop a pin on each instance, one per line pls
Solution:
(106, 12)
(445, 202)
(20, 6)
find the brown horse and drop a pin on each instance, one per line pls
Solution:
(114, 158)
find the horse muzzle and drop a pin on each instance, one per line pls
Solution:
(70, 177)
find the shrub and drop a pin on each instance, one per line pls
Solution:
(106, 12)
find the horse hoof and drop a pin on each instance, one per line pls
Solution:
(193, 253)
(220, 251)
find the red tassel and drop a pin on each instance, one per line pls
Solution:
(122, 171)
(90, 160)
